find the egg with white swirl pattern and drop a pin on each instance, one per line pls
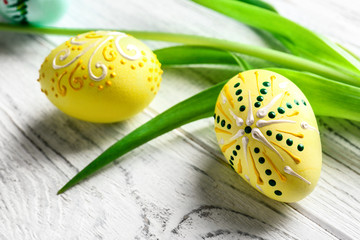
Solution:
(101, 76)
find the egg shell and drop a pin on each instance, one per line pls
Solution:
(268, 133)
(37, 12)
(101, 76)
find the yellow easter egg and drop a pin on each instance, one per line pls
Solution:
(101, 76)
(268, 133)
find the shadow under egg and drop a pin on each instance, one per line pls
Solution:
(226, 201)
(58, 135)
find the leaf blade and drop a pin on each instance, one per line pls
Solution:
(260, 4)
(184, 55)
(194, 108)
(300, 40)
(340, 97)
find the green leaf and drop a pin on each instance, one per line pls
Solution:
(348, 51)
(327, 97)
(194, 55)
(200, 106)
(278, 57)
(188, 55)
(298, 39)
(260, 4)
(242, 64)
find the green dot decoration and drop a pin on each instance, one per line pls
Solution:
(223, 123)
(228, 126)
(236, 85)
(218, 119)
(296, 102)
(288, 105)
(277, 192)
(272, 114)
(289, 142)
(268, 172)
(247, 129)
(238, 92)
(257, 104)
(303, 102)
(240, 98)
(279, 137)
(261, 160)
(260, 98)
(263, 91)
(237, 147)
(266, 84)
(242, 108)
(300, 147)
(256, 150)
(281, 110)
(269, 133)
(235, 153)
(272, 182)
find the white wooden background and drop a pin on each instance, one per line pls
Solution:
(176, 186)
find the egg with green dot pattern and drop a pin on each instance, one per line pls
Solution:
(101, 76)
(275, 147)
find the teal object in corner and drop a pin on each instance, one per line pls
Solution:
(36, 12)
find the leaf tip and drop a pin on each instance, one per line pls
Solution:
(64, 189)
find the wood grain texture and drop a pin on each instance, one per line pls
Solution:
(177, 186)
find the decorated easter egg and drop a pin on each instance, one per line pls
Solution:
(268, 133)
(33, 11)
(101, 76)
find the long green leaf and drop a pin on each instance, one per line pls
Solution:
(302, 41)
(278, 57)
(185, 56)
(242, 64)
(260, 4)
(197, 107)
(188, 55)
(348, 51)
(327, 97)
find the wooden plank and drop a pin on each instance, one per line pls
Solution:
(172, 188)
(166, 188)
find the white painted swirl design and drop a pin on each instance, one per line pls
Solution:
(65, 53)
(129, 47)
(63, 57)
(98, 64)
(75, 42)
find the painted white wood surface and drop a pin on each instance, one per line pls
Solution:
(175, 187)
